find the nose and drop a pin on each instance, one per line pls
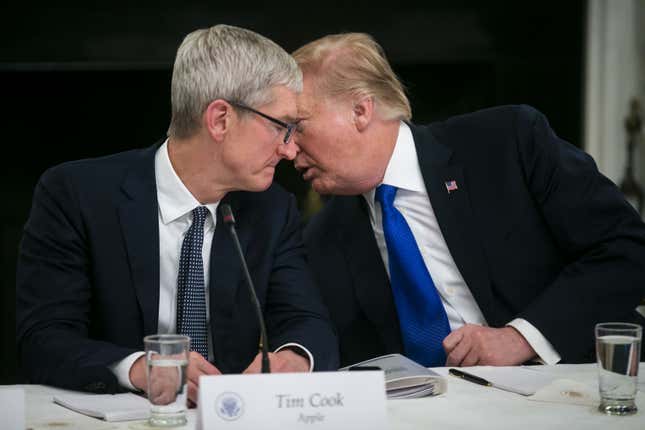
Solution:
(289, 150)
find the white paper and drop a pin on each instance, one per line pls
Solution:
(283, 401)
(109, 407)
(568, 391)
(12, 408)
(516, 379)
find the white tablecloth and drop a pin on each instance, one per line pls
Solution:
(464, 406)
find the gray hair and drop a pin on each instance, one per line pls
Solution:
(229, 63)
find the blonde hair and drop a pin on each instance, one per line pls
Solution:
(230, 63)
(355, 64)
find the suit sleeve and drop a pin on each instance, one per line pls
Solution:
(599, 233)
(54, 294)
(295, 310)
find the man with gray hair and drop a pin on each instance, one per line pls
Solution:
(484, 239)
(133, 244)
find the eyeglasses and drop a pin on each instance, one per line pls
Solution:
(290, 127)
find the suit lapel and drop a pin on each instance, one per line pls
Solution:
(138, 214)
(225, 276)
(454, 215)
(139, 217)
(371, 282)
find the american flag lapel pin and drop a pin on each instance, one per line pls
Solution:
(451, 186)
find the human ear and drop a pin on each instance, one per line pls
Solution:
(216, 118)
(363, 111)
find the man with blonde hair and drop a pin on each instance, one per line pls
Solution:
(132, 244)
(481, 240)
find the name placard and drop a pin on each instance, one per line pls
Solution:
(323, 400)
(12, 408)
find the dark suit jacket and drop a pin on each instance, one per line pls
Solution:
(535, 230)
(88, 275)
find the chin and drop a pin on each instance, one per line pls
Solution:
(321, 187)
(337, 188)
(259, 182)
(263, 185)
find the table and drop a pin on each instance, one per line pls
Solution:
(464, 406)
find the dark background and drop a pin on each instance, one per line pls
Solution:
(86, 81)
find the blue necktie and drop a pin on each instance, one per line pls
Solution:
(422, 317)
(191, 296)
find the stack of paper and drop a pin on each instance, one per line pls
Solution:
(109, 407)
(404, 378)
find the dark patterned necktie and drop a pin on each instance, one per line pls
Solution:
(191, 296)
(422, 317)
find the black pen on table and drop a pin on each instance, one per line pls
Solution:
(469, 377)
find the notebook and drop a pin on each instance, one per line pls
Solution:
(404, 378)
(108, 407)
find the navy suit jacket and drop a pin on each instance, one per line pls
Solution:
(536, 231)
(88, 275)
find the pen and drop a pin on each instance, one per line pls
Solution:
(469, 377)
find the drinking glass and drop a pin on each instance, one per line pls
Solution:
(166, 365)
(618, 347)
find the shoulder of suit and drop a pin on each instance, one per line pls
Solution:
(104, 167)
(493, 116)
(491, 124)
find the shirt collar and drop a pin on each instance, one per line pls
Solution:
(173, 197)
(403, 169)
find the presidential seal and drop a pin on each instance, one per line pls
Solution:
(229, 406)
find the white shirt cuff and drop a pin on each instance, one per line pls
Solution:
(542, 347)
(297, 345)
(121, 370)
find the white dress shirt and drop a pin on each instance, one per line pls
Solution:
(176, 204)
(412, 201)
